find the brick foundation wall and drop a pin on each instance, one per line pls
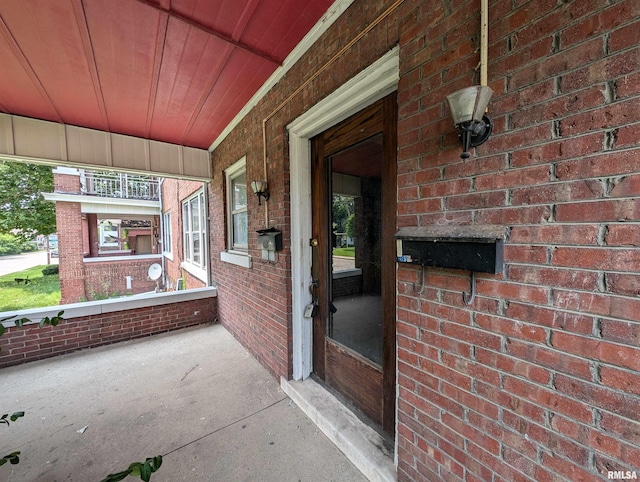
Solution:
(30, 343)
(537, 380)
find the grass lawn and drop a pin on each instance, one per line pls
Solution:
(349, 252)
(40, 292)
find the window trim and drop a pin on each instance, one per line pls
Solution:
(167, 236)
(197, 269)
(237, 255)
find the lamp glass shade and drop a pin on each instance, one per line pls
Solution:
(469, 104)
(259, 186)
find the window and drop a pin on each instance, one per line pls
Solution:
(108, 235)
(167, 247)
(193, 230)
(237, 219)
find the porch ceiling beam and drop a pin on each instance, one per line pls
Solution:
(42, 142)
(214, 32)
(107, 205)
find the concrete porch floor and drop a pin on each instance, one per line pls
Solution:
(194, 396)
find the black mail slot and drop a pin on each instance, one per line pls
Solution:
(471, 248)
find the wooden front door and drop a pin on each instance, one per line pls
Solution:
(354, 213)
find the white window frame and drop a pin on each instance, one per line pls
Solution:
(102, 243)
(167, 236)
(196, 268)
(235, 253)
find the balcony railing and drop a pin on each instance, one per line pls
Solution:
(120, 185)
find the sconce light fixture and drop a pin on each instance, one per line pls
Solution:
(261, 189)
(468, 108)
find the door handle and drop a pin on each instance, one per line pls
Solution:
(313, 288)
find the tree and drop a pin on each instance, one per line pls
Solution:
(9, 244)
(23, 210)
(342, 208)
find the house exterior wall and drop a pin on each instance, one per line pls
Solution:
(70, 240)
(70, 250)
(82, 281)
(537, 379)
(107, 279)
(255, 304)
(174, 191)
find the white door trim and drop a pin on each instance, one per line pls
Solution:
(373, 83)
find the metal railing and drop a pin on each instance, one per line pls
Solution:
(120, 185)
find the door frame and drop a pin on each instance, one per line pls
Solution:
(372, 84)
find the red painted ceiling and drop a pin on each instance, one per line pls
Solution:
(171, 70)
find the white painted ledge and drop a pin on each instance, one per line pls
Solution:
(193, 270)
(239, 259)
(347, 273)
(128, 257)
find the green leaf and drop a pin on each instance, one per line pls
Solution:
(116, 477)
(2, 329)
(15, 416)
(141, 469)
(145, 471)
(12, 458)
(134, 469)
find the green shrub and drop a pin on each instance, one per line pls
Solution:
(29, 247)
(51, 269)
(9, 244)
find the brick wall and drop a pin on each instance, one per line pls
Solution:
(70, 240)
(346, 285)
(255, 304)
(174, 191)
(108, 278)
(30, 343)
(70, 252)
(537, 380)
(66, 183)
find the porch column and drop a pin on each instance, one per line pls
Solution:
(92, 222)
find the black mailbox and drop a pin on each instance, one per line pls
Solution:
(472, 248)
(270, 239)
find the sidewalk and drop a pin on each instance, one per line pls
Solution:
(194, 396)
(18, 262)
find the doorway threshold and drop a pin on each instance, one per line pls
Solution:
(361, 444)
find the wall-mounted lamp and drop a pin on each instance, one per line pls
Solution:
(468, 108)
(261, 189)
